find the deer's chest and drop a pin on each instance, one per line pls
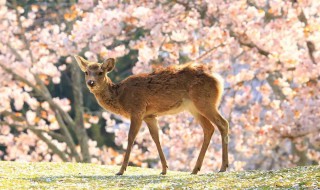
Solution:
(112, 105)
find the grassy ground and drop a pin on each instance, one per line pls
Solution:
(17, 175)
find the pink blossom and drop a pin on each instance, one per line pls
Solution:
(179, 35)
(4, 129)
(31, 116)
(64, 103)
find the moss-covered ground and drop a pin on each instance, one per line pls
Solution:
(20, 175)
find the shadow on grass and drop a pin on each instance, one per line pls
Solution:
(125, 181)
(88, 178)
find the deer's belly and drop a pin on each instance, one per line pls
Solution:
(184, 104)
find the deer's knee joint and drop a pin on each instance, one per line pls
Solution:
(226, 139)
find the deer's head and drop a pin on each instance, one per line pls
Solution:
(96, 73)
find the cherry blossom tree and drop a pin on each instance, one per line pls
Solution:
(28, 66)
(266, 51)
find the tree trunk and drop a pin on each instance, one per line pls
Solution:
(80, 131)
(302, 155)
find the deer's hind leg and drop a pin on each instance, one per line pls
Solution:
(208, 130)
(204, 102)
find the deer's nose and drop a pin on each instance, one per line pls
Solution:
(91, 83)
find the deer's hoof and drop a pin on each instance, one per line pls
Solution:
(119, 173)
(163, 173)
(194, 172)
(222, 170)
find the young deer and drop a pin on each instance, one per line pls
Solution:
(170, 90)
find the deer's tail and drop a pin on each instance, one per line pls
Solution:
(220, 88)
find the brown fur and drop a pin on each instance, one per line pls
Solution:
(169, 90)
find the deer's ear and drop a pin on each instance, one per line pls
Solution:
(81, 62)
(108, 64)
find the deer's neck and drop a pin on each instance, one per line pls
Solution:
(107, 97)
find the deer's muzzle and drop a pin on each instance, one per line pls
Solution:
(91, 83)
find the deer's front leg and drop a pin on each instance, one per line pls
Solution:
(133, 131)
(152, 124)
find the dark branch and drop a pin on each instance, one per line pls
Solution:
(310, 45)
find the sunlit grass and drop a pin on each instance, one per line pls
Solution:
(19, 175)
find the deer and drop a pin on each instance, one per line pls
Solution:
(143, 97)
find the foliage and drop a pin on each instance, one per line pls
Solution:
(268, 54)
(15, 175)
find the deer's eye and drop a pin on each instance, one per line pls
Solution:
(101, 73)
(86, 73)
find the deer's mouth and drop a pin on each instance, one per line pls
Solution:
(93, 88)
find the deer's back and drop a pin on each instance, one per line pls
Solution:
(173, 77)
(165, 91)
